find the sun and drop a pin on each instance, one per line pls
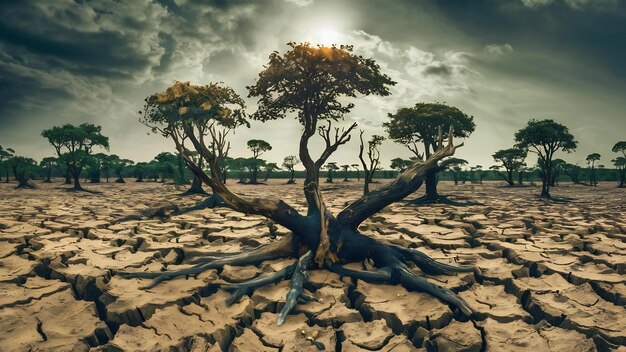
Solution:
(326, 36)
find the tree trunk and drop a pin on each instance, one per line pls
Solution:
(431, 185)
(77, 183)
(509, 177)
(196, 187)
(545, 180)
(253, 177)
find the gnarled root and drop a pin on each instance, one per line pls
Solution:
(298, 279)
(166, 211)
(428, 264)
(276, 250)
(400, 274)
(425, 200)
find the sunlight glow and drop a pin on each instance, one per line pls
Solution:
(323, 32)
(326, 37)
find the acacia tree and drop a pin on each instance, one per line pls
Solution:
(456, 164)
(373, 156)
(258, 147)
(96, 163)
(48, 164)
(545, 138)
(268, 168)
(620, 164)
(73, 145)
(5, 155)
(330, 167)
(620, 147)
(591, 163)
(290, 163)
(314, 82)
(189, 112)
(512, 160)
(424, 123)
(118, 165)
(356, 168)
(400, 164)
(23, 170)
(345, 169)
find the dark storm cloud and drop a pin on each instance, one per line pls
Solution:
(502, 61)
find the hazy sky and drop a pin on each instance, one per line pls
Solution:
(504, 62)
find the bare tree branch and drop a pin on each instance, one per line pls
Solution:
(406, 183)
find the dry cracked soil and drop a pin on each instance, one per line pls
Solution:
(552, 275)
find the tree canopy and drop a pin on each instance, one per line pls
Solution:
(74, 144)
(545, 137)
(421, 123)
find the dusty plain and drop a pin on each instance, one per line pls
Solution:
(552, 275)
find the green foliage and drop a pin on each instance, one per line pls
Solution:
(74, 145)
(311, 81)
(290, 162)
(400, 164)
(619, 147)
(512, 159)
(421, 123)
(183, 106)
(593, 157)
(545, 137)
(258, 147)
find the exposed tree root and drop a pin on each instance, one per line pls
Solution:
(245, 288)
(80, 189)
(423, 200)
(401, 274)
(166, 211)
(279, 249)
(298, 279)
(428, 264)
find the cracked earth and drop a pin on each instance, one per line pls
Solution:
(552, 275)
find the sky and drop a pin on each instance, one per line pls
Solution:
(502, 62)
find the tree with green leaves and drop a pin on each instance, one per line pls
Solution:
(258, 147)
(140, 171)
(620, 147)
(269, 168)
(23, 170)
(456, 164)
(373, 156)
(330, 167)
(620, 164)
(512, 159)
(358, 173)
(5, 155)
(74, 144)
(187, 113)
(316, 84)
(400, 164)
(47, 165)
(592, 159)
(424, 124)
(95, 164)
(118, 165)
(289, 163)
(545, 138)
(345, 168)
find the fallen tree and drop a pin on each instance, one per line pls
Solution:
(312, 82)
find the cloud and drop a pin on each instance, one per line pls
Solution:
(301, 2)
(575, 4)
(536, 3)
(498, 49)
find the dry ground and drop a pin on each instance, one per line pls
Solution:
(552, 275)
